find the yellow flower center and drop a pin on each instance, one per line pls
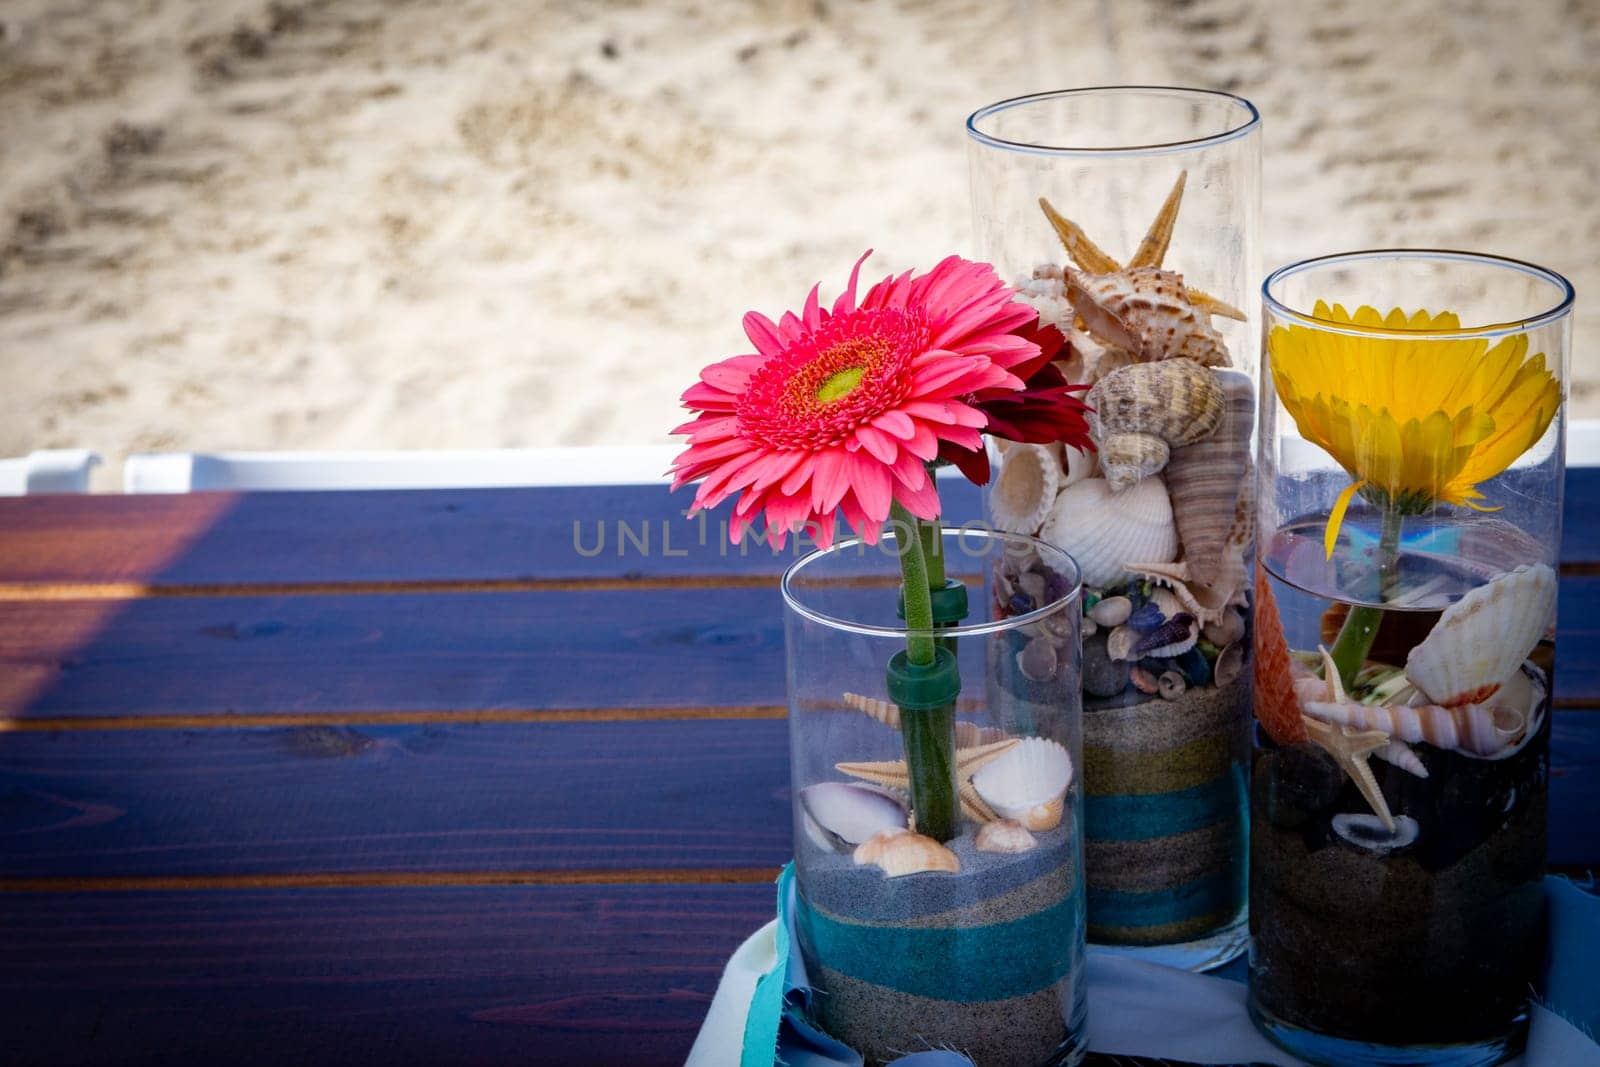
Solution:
(840, 384)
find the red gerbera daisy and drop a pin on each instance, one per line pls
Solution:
(839, 410)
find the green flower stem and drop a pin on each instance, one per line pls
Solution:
(929, 734)
(1360, 627)
(931, 536)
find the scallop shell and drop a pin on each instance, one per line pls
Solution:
(1005, 835)
(1077, 465)
(901, 852)
(1178, 401)
(1483, 637)
(1146, 311)
(1204, 479)
(1277, 704)
(1128, 457)
(1030, 476)
(843, 814)
(1027, 783)
(1102, 530)
(1478, 729)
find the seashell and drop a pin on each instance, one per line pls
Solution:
(1120, 642)
(1077, 465)
(1230, 663)
(1125, 458)
(1277, 704)
(1038, 660)
(1224, 631)
(842, 815)
(1205, 602)
(901, 852)
(1399, 754)
(1112, 611)
(1172, 638)
(1005, 835)
(1102, 530)
(1144, 681)
(1178, 401)
(1478, 729)
(1171, 685)
(1483, 637)
(1027, 783)
(1029, 478)
(1089, 628)
(1147, 312)
(968, 734)
(1166, 602)
(1367, 832)
(1204, 479)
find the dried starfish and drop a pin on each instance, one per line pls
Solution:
(1351, 748)
(1090, 257)
(893, 774)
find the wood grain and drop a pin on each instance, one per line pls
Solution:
(460, 798)
(540, 975)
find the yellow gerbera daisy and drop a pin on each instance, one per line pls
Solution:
(1414, 422)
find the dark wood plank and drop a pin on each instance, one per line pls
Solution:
(503, 535)
(681, 648)
(688, 648)
(551, 534)
(509, 798)
(545, 975)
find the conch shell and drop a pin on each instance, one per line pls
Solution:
(1477, 729)
(1147, 312)
(1481, 639)
(1210, 601)
(901, 852)
(1142, 411)
(1103, 530)
(1204, 479)
(1029, 478)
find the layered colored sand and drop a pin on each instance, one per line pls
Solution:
(1166, 790)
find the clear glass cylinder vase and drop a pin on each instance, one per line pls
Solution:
(1128, 217)
(967, 934)
(1411, 471)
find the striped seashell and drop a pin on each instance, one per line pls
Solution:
(1147, 312)
(1481, 639)
(1178, 401)
(1025, 488)
(1129, 457)
(1204, 479)
(1173, 637)
(900, 852)
(1102, 530)
(1398, 754)
(1477, 729)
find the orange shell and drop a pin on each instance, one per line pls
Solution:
(1276, 704)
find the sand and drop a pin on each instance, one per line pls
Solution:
(417, 223)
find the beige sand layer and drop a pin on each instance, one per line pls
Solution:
(415, 223)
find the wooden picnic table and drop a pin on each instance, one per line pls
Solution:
(417, 777)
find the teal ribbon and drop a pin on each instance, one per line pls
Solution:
(1130, 817)
(969, 964)
(766, 1004)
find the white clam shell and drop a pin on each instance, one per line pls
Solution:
(1005, 835)
(1481, 639)
(900, 852)
(1104, 530)
(1025, 488)
(1027, 783)
(846, 814)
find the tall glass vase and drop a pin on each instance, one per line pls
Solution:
(1411, 462)
(966, 936)
(1128, 217)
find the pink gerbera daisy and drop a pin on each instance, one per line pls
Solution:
(841, 410)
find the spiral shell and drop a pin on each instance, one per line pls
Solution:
(1102, 530)
(1477, 729)
(1128, 457)
(1483, 637)
(1030, 476)
(1140, 412)
(1204, 478)
(1147, 312)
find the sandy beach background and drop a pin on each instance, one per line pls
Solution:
(483, 223)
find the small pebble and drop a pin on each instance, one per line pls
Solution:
(1102, 675)
(1112, 611)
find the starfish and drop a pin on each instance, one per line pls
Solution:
(1351, 748)
(895, 775)
(1089, 256)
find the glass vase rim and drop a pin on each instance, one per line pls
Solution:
(1054, 555)
(1559, 310)
(1251, 122)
